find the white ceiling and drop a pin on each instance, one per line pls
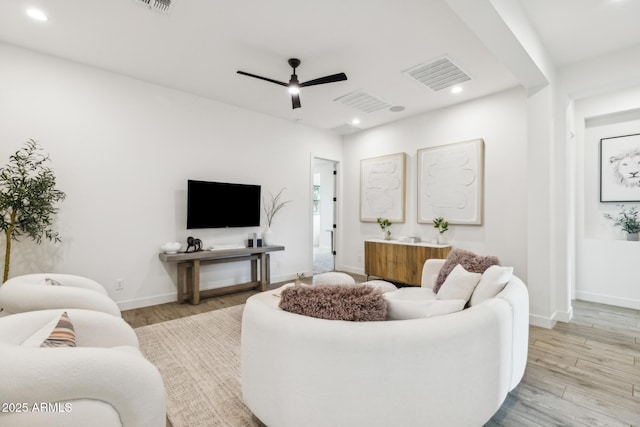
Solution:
(200, 44)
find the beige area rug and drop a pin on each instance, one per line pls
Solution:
(199, 358)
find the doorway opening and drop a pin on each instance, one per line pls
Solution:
(324, 215)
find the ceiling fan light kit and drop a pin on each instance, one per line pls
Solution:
(294, 85)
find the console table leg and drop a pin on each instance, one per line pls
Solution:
(195, 280)
(183, 281)
(264, 262)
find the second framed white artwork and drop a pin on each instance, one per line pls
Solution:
(450, 182)
(382, 188)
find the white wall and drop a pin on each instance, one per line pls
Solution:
(501, 121)
(605, 260)
(123, 150)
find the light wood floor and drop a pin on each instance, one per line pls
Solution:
(582, 373)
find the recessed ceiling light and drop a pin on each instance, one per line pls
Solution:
(355, 121)
(456, 89)
(36, 14)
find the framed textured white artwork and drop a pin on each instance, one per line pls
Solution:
(620, 168)
(450, 182)
(382, 188)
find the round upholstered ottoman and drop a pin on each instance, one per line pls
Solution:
(383, 285)
(333, 278)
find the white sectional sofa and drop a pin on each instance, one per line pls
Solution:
(450, 370)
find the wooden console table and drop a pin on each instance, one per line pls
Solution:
(399, 261)
(189, 270)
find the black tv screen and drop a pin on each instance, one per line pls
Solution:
(221, 205)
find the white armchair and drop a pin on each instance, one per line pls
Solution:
(30, 293)
(103, 381)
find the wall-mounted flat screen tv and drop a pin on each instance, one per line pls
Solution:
(221, 205)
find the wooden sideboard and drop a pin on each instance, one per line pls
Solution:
(398, 261)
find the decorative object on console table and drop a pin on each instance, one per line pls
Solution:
(384, 224)
(627, 219)
(442, 226)
(619, 169)
(171, 247)
(382, 188)
(196, 244)
(450, 182)
(28, 196)
(271, 208)
(399, 262)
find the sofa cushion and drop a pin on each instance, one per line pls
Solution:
(418, 303)
(459, 284)
(63, 335)
(382, 285)
(470, 261)
(348, 302)
(492, 282)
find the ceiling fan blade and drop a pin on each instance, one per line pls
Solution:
(263, 78)
(295, 101)
(327, 79)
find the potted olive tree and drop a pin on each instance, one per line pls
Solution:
(627, 219)
(28, 198)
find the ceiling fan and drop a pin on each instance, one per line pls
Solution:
(294, 85)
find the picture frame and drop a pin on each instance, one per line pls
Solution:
(383, 187)
(451, 182)
(620, 168)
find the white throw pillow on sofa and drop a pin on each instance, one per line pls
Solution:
(403, 309)
(418, 303)
(459, 284)
(493, 281)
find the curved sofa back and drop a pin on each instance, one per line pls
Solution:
(452, 370)
(30, 293)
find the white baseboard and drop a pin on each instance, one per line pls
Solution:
(542, 322)
(348, 269)
(147, 301)
(608, 299)
(172, 297)
(564, 316)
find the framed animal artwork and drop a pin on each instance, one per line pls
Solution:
(620, 168)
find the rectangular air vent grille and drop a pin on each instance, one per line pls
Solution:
(439, 74)
(162, 6)
(345, 129)
(362, 101)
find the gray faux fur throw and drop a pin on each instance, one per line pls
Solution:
(356, 303)
(469, 261)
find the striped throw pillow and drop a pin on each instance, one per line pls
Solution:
(63, 335)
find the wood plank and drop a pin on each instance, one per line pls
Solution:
(624, 409)
(553, 411)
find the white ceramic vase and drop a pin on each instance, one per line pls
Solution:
(441, 239)
(267, 237)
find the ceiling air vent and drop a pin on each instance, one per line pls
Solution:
(162, 6)
(345, 129)
(438, 74)
(362, 101)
